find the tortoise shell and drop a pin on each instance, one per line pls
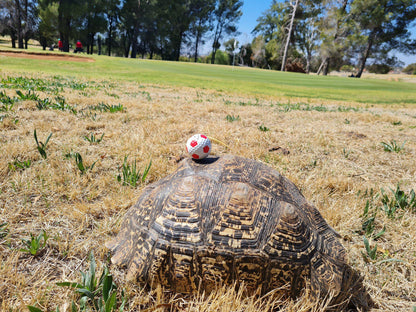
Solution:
(230, 219)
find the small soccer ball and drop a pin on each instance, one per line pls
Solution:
(198, 146)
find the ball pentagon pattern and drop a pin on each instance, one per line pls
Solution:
(198, 146)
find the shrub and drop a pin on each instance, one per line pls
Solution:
(221, 58)
(347, 68)
(295, 66)
(410, 69)
(379, 68)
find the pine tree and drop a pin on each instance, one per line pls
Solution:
(383, 25)
(226, 14)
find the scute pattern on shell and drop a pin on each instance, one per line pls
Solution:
(231, 219)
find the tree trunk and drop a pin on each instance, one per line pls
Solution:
(134, 40)
(90, 49)
(19, 24)
(134, 48)
(99, 44)
(289, 35)
(64, 26)
(320, 67)
(324, 66)
(197, 39)
(216, 43)
(13, 36)
(26, 31)
(177, 51)
(366, 54)
(92, 43)
(213, 56)
(110, 36)
(127, 45)
(66, 35)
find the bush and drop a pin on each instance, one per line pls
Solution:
(347, 68)
(379, 68)
(221, 58)
(295, 66)
(183, 58)
(410, 69)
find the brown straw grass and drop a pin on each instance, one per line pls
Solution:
(333, 156)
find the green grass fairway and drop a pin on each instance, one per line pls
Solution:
(224, 78)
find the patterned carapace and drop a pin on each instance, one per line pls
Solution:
(228, 219)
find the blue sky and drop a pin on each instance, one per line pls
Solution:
(252, 9)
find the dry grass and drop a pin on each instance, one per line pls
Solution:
(334, 157)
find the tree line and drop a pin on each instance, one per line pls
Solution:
(322, 35)
(293, 35)
(122, 27)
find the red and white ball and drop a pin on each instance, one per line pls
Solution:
(198, 146)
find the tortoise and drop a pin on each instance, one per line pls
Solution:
(228, 219)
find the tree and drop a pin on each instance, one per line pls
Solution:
(112, 13)
(294, 5)
(334, 30)
(13, 21)
(258, 56)
(18, 23)
(230, 47)
(179, 17)
(133, 22)
(271, 27)
(221, 58)
(92, 21)
(8, 20)
(410, 69)
(383, 26)
(245, 54)
(306, 32)
(30, 20)
(69, 13)
(201, 22)
(127, 25)
(271, 22)
(48, 24)
(226, 14)
(288, 27)
(18, 20)
(308, 41)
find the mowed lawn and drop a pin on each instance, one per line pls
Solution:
(240, 80)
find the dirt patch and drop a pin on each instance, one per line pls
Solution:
(49, 57)
(355, 135)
